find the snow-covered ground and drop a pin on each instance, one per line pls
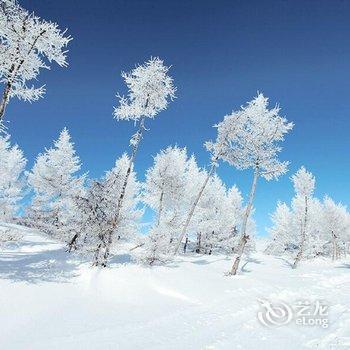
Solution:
(51, 300)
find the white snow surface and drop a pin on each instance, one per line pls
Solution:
(50, 299)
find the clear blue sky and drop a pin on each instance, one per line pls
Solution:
(222, 52)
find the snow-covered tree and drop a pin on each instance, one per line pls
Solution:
(171, 187)
(309, 227)
(281, 230)
(312, 244)
(217, 218)
(336, 226)
(167, 191)
(27, 45)
(297, 229)
(9, 235)
(165, 181)
(156, 246)
(304, 185)
(149, 90)
(199, 182)
(248, 139)
(12, 165)
(97, 212)
(55, 182)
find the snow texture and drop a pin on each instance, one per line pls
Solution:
(53, 300)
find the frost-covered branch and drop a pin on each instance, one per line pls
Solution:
(27, 45)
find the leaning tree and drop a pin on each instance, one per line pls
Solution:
(214, 157)
(149, 90)
(248, 139)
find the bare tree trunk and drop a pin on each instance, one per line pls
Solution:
(303, 237)
(335, 253)
(100, 256)
(194, 205)
(333, 246)
(136, 247)
(199, 238)
(244, 236)
(97, 261)
(135, 142)
(186, 243)
(338, 255)
(13, 72)
(160, 208)
(4, 101)
(72, 243)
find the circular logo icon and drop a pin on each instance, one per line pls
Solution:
(277, 314)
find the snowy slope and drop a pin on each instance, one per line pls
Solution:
(51, 300)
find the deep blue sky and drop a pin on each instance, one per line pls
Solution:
(221, 52)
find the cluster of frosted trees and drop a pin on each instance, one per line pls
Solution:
(12, 165)
(192, 208)
(309, 227)
(82, 212)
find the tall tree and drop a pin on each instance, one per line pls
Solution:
(27, 45)
(336, 226)
(248, 139)
(204, 178)
(96, 210)
(55, 183)
(169, 188)
(12, 164)
(149, 90)
(304, 185)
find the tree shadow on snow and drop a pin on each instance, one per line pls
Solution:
(120, 259)
(285, 261)
(208, 262)
(343, 266)
(36, 267)
(249, 260)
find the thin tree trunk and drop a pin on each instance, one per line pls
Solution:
(72, 243)
(4, 101)
(136, 138)
(199, 238)
(101, 251)
(194, 205)
(335, 254)
(97, 261)
(13, 71)
(333, 246)
(160, 208)
(338, 253)
(244, 236)
(303, 237)
(186, 243)
(136, 247)
(6, 93)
